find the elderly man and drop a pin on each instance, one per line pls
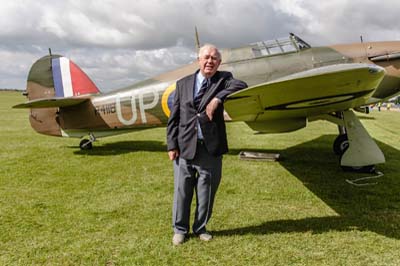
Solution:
(196, 140)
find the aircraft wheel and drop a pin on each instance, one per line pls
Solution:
(340, 144)
(85, 144)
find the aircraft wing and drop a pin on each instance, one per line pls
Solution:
(53, 102)
(312, 92)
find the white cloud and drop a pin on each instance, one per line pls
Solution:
(116, 68)
(14, 66)
(338, 21)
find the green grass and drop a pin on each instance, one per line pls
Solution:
(112, 205)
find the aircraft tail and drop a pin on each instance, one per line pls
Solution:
(57, 76)
(53, 82)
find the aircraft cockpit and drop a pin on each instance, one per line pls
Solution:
(279, 46)
(287, 45)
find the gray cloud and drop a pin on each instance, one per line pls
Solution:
(118, 42)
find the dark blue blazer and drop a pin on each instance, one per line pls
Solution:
(182, 123)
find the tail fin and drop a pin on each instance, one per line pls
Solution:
(54, 77)
(58, 77)
(69, 79)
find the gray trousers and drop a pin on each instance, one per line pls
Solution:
(201, 176)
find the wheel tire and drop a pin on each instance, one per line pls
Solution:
(85, 144)
(341, 144)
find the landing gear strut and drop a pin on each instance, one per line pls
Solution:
(340, 145)
(358, 151)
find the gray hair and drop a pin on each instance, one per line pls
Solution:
(208, 46)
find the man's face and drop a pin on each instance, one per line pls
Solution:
(209, 62)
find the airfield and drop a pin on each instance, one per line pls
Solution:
(112, 205)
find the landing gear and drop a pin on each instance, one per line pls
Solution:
(358, 151)
(340, 144)
(86, 144)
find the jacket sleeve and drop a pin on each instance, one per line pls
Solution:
(231, 85)
(173, 123)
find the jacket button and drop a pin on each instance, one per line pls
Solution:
(198, 114)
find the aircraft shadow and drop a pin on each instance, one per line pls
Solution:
(122, 147)
(370, 208)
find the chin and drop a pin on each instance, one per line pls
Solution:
(210, 72)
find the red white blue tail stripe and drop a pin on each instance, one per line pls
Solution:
(69, 80)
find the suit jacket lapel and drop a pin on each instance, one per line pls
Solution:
(190, 84)
(215, 82)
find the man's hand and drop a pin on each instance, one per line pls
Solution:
(173, 154)
(211, 107)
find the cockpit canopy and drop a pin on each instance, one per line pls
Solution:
(279, 46)
(265, 48)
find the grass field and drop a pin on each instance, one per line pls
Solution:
(112, 205)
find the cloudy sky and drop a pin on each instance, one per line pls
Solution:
(119, 42)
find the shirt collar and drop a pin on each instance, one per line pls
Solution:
(200, 77)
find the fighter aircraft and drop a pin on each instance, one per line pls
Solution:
(290, 84)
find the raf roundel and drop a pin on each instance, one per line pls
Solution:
(168, 98)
